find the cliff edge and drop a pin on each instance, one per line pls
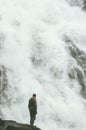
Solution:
(13, 125)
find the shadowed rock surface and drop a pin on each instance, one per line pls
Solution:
(84, 5)
(13, 125)
(77, 72)
(3, 84)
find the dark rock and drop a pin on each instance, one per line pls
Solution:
(72, 74)
(77, 72)
(13, 125)
(1, 122)
(3, 83)
(10, 127)
(80, 78)
(84, 5)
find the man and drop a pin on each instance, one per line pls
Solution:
(32, 106)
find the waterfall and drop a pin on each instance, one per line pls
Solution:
(43, 50)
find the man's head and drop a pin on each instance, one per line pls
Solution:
(34, 95)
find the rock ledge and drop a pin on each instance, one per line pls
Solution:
(13, 125)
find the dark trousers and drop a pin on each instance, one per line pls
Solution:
(32, 118)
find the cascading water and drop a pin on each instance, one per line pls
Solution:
(42, 50)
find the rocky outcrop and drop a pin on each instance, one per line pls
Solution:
(13, 125)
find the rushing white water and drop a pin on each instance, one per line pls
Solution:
(37, 60)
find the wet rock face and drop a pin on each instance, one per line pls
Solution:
(75, 2)
(77, 72)
(7, 90)
(79, 3)
(84, 5)
(3, 84)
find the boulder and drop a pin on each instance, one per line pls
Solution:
(13, 125)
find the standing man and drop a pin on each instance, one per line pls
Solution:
(32, 106)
